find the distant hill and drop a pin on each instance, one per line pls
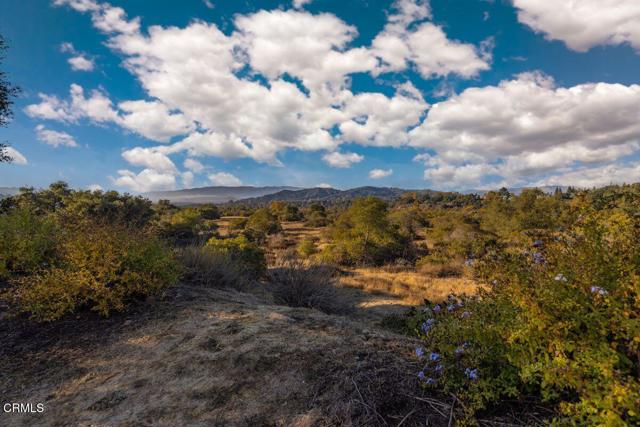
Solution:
(326, 195)
(550, 189)
(203, 195)
(8, 191)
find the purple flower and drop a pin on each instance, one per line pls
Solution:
(538, 258)
(494, 282)
(458, 351)
(598, 290)
(420, 352)
(538, 243)
(438, 368)
(434, 357)
(560, 278)
(472, 374)
(465, 314)
(421, 375)
(437, 308)
(427, 325)
(430, 381)
(451, 307)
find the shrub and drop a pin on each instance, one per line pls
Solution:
(298, 285)
(363, 235)
(238, 223)
(242, 251)
(100, 267)
(307, 248)
(316, 216)
(27, 242)
(261, 224)
(205, 266)
(560, 322)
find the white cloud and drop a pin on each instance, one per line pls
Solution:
(81, 63)
(324, 185)
(224, 179)
(54, 138)
(16, 157)
(193, 165)
(299, 4)
(595, 177)
(95, 187)
(209, 4)
(527, 127)
(380, 173)
(147, 180)
(405, 40)
(150, 158)
(342, 160)
(187, 179)
(583, 24)
(97, 107)
(153, 120)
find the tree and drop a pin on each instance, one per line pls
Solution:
(7, 93)
(364, 235)
(260, 224)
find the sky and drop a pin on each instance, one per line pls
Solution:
(140, 96)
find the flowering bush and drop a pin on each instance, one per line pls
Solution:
(560, 322)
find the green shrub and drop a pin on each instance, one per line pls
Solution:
(237, 223)
(100, 267)
(307, 248)
(241, 250)
(559, 323)
(363, 235)
(261, 224)
(27, 242)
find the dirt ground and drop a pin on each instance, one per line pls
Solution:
(201, 357)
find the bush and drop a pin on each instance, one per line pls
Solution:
(27, 242)
(242, 251)
(238, 223)
(297, 285)
(261, 224)
(205, 266)
(560, 323)
(363, 235)
(307, 248)
(100, 267)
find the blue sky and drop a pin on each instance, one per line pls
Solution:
(447, 94)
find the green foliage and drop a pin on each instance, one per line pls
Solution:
(363, 235)
(241, 250)
(102, 267)
(238, 223)
(316, 216)
(560, 322)
(307, 248)
(285, 211)
(261, 224)
(27, 242)
(186, 226)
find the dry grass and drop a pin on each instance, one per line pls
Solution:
(407, 287)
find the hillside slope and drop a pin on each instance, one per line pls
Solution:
(195, 196)
(211, 358)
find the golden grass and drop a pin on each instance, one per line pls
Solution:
(408, 287)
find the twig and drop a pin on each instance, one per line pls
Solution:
(453, 404)
(406, 417)
(365, 404)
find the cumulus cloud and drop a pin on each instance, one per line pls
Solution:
(153, 120)
(95, 187)
(299, 4)
(595, 177)
(146, 180)
(526, 128)
(187, 179)
(224, 179)
(582, 24)
(193, 165)
(342, 160)
(97, 107)
(54, 138)
(16, 157)
(405, 40)
(81, 63)
(380, 173)
(149, 158)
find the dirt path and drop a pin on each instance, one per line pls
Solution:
(211, 358)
